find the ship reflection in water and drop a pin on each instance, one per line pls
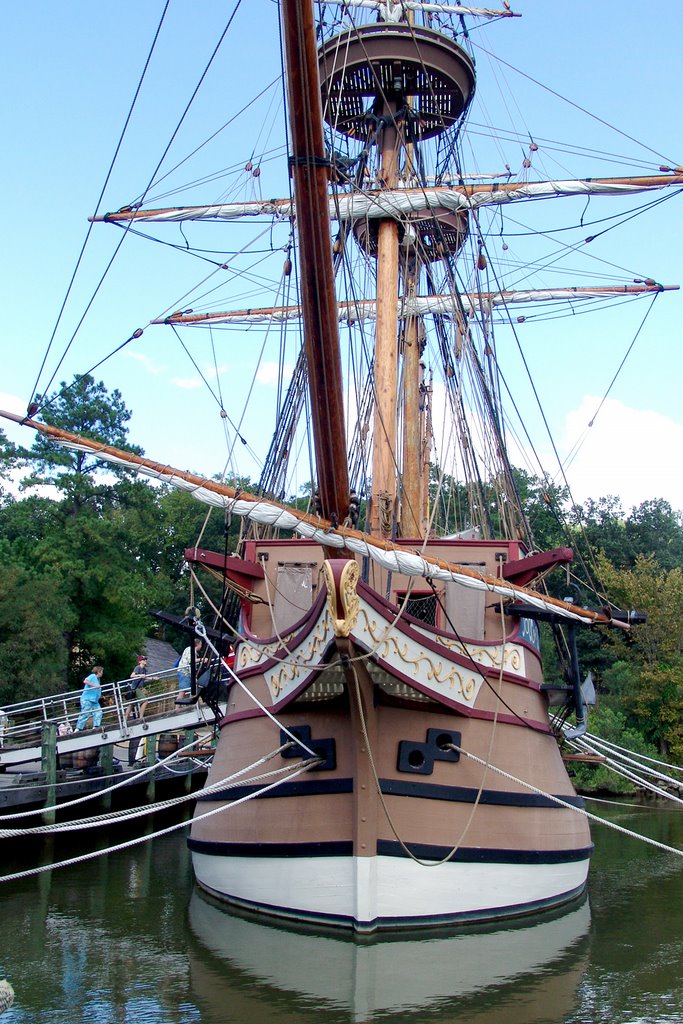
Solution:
(513, 974)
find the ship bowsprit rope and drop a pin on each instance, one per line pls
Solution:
(268, 512)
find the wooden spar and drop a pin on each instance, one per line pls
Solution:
(437, 8)
(309, 168)
(412, 484)
(284, 207)
(359, 309)
(412, 521)
(382, 505)
(426, 392)
(170, 474)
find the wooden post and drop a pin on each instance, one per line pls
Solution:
(190, 735)
(107, 763)
(44, 880)
(151, 747)
(48, 763)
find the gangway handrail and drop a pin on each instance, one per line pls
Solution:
(11, 709)
(19, 722)
(181, 718)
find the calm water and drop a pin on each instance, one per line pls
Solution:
(126, 939)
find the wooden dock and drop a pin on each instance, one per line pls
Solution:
(44, 764)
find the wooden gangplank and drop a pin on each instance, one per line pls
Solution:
(124, 718)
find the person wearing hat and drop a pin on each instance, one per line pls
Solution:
(136, 691)
(136, 688)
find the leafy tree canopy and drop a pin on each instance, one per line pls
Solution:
(85, 408)
(34, 616)
(653, 528)
(652, 690)
(8, 454)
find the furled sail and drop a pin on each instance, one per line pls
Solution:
(397, 202)
(270, 513)
(469, 304)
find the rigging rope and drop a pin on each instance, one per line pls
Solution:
(97, 206)
(139, 774)
(571, 807)
(139, 200)
(201, 632)
(593, 744)
(128, 814)
(152, 835)
(576, 106)
(576, 448)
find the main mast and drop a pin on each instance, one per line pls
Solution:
(418, 83)
(309, 168)
(386, 87)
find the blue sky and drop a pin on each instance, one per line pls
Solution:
(68, 73)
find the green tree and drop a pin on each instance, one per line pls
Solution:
(8, 461)
(653, 528)
(34, 618)
(8, 455)
(543, 504)
(184, 522)
(111, 548)
(98, 540)
(599, 525)
(652, 691)
(88, 409)
(24, 523)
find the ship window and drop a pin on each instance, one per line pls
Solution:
(421, 606)
(294, 593)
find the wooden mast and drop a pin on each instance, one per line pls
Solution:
(382, 506)
(412, 522)
(413, 484)
(418, 83)
(309, 168)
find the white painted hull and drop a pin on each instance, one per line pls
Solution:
(387, 892)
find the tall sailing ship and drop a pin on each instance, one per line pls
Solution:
(388, 752)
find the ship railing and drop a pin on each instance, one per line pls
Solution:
(22, 724)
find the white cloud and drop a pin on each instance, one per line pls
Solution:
(11, 403)
(188, 383)
(634, 454)
(269, 373)
(145, 361)
(199, 380)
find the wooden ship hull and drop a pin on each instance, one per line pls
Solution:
(404, 821)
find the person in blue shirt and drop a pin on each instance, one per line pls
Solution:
(90, 699)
